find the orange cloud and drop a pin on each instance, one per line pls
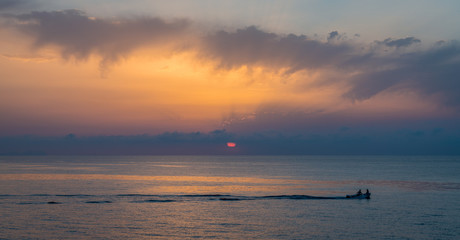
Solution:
(176, 75)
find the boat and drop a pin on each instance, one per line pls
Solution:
(360, 195)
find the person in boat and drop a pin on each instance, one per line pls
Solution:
(367, 191)
(359, 193)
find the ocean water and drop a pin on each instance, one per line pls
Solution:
(229, 197)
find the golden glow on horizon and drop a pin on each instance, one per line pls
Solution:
(154, 91)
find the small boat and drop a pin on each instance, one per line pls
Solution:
(360, 195)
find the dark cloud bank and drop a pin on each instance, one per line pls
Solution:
(14, 4)
(344, 140)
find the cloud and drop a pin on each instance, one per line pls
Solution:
(251, 46)
(79, 36)
(433, 72)
(366, 69)
(430, 72)
(24, 58)
(397, 141)
(18, 6)
(332, 35)
(11, 4)
(402, 42)
(166, 143)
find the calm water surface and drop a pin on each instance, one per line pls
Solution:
(231, 197)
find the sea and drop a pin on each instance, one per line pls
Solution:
(229, 197)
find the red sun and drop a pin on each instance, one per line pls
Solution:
(231, 144)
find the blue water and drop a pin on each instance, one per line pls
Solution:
(229, 197)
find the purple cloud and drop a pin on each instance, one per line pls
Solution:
(402, 42)
(79, 36)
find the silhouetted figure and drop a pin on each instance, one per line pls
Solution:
(359, 193)
(367, 191)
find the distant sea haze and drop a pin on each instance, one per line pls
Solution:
(217, 143)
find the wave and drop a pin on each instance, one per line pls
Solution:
(231, 199)
(177, 196)
(136, 195)
(298, 197)
(30, 203)
(205, 195)
(278, 197)
(159, 200)
(147, 198)
(73, 195)
(98, 201)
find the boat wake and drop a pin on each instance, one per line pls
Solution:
(148, 198)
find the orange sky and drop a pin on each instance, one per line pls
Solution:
(196, 79)
(44, 94)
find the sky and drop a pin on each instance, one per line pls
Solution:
(186, 77)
